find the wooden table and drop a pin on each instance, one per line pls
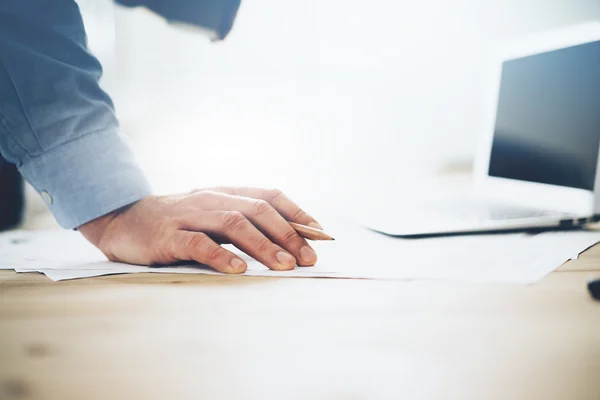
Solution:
(214, 337)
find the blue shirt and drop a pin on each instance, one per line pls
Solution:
(56, 124)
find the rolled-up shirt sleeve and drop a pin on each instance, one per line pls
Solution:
(56, 123)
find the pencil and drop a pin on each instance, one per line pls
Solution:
(310, 233)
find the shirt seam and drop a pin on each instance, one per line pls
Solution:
(4, 127)
(12, 82)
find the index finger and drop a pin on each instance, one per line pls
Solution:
(280, 202)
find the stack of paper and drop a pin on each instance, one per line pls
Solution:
(356, 253)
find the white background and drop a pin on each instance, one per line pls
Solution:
(337, 102)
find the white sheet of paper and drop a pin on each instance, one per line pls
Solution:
(356, 253)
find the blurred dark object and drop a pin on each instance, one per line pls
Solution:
(216, 16)
(12, 197)
(594, 288)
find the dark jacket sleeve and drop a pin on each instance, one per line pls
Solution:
(216, 16)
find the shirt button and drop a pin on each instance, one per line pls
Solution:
(46, 197)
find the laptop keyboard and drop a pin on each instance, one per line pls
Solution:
(475, 211)
(503, 214)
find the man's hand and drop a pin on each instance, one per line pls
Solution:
(164, 230)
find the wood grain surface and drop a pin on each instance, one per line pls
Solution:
(156, 336)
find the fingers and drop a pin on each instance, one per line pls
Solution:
(238, 230)
(270, 222)
(197, 246)
(267, 219)
(284, 206)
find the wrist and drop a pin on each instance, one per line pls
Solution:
(95, 230)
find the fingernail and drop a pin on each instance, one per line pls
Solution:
(237, 264)
(315, 225)
(307, 254)
(285, 258)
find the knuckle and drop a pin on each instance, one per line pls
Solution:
(299, 215)
(197, 240)
(261, 207)
(166, 246)
(164, 255)
(273, 194)
(264, 245)
(290, 236)
(215, 253)
(233, 220)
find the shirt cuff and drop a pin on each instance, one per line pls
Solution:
(87, 178)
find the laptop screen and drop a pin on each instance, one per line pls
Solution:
(548, 118)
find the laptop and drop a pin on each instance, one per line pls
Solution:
(537, 164)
